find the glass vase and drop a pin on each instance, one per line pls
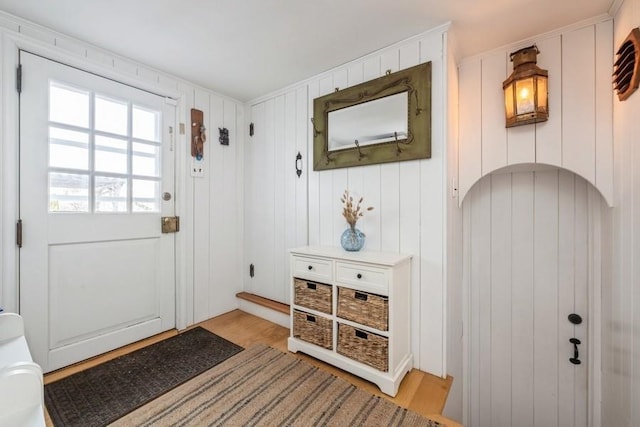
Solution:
(352, 239)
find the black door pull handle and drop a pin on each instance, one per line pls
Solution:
(299, 169)
(576, 356)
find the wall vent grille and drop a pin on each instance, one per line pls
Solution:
(626, 76)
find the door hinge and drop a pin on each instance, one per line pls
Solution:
(251, 129)
(19, 233)
(252, 270)
(19, 78)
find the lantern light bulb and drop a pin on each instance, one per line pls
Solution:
(524, 93)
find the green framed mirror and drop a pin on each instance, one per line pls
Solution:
(383, 120)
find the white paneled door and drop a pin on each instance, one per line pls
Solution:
(275, 193)
(527, 263)
(96, 176)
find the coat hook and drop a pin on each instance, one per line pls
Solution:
(360, 155)
(418, 109)
(316, 132)
(398, 150)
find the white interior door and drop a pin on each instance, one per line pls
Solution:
(275, 194)
(96, 272)
(527, 269)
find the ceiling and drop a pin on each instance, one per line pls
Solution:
(248, 48)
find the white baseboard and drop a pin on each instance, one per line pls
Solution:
(264, 312)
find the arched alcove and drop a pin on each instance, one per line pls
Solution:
(532, 257)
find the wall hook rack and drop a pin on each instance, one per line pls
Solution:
(198, 134)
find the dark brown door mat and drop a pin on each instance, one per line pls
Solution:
(104, 393)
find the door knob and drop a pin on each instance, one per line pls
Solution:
(574, 318)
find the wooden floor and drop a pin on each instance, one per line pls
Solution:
(419, 391)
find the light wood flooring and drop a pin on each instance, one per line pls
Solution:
(419, 391)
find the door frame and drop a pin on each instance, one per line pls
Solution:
(596, 269)
(10, 182)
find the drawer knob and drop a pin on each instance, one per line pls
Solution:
(310, 267)
(359, 275)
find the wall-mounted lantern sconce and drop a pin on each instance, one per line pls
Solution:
(525, 91)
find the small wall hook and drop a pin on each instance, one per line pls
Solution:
(398, 150)
(316, 132)
(224, 136)
(360, 155)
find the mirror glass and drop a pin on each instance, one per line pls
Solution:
(369, 123)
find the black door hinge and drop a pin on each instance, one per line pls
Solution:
(252, 270)
(19, 78)
(19, 233)
(251, 129)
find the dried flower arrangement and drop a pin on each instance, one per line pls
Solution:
(352, 212)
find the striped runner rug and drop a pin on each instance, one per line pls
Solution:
(264, 387)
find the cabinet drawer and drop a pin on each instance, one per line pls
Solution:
(372, 279)
(316, 296)
(364, 308)
(314, 329)
(365, 347)
(312, 268)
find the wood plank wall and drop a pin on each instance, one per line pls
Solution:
(408, 197)
(578, 135)
(621, 286)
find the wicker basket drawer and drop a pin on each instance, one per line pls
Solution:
(365, 347)
(364, 308)
(314, 329)
(315, 296)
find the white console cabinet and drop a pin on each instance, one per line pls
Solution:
(351, 310)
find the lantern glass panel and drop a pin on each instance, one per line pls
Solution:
(508, 101)
(542, 94)
(525, 96)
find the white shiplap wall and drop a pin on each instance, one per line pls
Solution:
(409, 197)
(210, 251)
(621, 295)
(578, 135)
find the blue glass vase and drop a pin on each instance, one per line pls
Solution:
(352, 239)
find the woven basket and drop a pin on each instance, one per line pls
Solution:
(364, 308)
(315, 296)
(314, 329)
(365, 347)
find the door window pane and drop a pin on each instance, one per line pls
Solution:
(146, 124)
(146, 159)
(119, 142)
(111, 115)
(110, 154)
(110, 194)
(68, 105)
(146, 196)
(68, 192)
(68, 149)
